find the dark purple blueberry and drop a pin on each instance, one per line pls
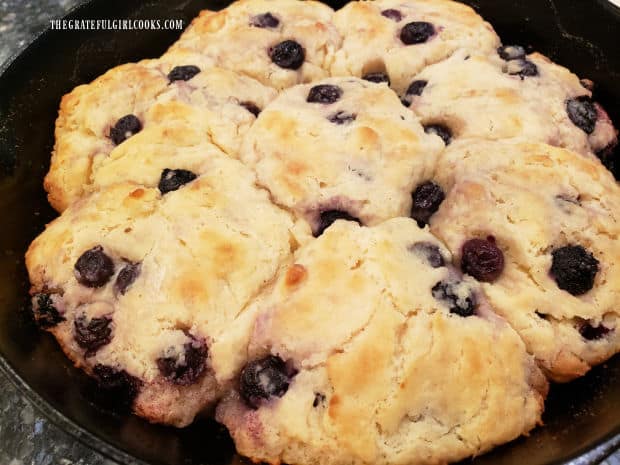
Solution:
(426, 200)
(318, 399)
(522, 68)
(265, 20)
(251, 107)
(574, 269)
(377, 77)
(188, 369)
(430, 252)
(324, 93)
(342, 117)
(171, 180)
(592, 333)
(392, 14)
(582, 113)
(183, 73)
(126, 277)
(264, 378)
(94, 268)
(124, 128)
(416, 32)
(288, 54)
(439, 130)
(118, 386)
(93, 334)
(449, 294)
(329, 216)
(482, 259)
(416, 87)
(511, 52)
(46, 315)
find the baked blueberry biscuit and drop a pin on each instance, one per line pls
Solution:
(510, 95)
(372, 349)
(93, 119)
(278, 42)
(538, 226)
(395, 37)
(141, 286)
(96, 118)
(340, 148)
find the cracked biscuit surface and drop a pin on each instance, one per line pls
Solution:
(358, 360)
(400, 38)
(486, 97)
(141, 285)
(340, 144)
(97, 118)
(553, 215)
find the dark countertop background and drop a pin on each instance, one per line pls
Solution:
(26, 437)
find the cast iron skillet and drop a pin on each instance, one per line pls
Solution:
(581, 34)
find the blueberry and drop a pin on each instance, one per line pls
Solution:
(482, 259)
(416, 32)
(439, 130)
(94, 268)
(183, 73)
(324, 93)
(117, 385)
(430, 252)
(426, 200)
(171, 180)
(92, 335)
(188, 369)
(416, 87)
(318, 399)
(329, 216)
(124, 128)
(251, 107)
(592, 333)
(574, 269)
(511, 52)
(342, 117)
(392, 14)
(265, 20)
(264, 378)
(288, 54)
(458, 304)
(522, 68)
(126, 277)
(582, 113)
(46, 315)
(377, 77)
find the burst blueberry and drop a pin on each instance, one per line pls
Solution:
(328, 217)
(171, 180)
(426, 201)
(430, 252)
(457, 302)
(342, 117)
(94, 268)
(439, 130)
(46, 315)
(324, 93)
(92, 334)
(392, 14)
(593, 333)
(482, 259)
(582, 113)
(264, 378)
(377, 78)
(416, 32)
(265, 21)
(183, 73)
(187, 369)
(125, 127)
(288, 54)
(126, 277)
(511, 52)
(574, 269)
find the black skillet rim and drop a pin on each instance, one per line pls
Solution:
(609, 444)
